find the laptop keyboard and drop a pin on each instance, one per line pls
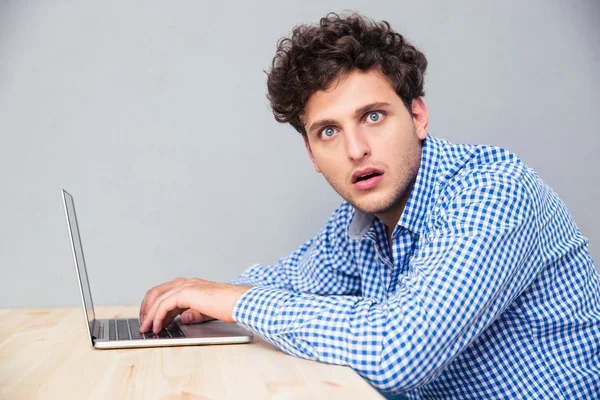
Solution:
(129, 329)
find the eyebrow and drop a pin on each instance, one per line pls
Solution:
(359, 112)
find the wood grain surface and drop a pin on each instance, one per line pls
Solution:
(45, 354)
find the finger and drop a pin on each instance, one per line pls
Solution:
(193, 317)
(146, 324)
(149, 299)
(156, 292)
(171, 302)
(171, 315)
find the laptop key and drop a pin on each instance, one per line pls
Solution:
(122, 330)
(149, 335)
(112, 331)
(101, 331)
(175, 331)
(164, 334)
(135, 334)
(134, 329)
(134, 324)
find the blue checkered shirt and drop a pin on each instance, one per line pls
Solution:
(489, 290)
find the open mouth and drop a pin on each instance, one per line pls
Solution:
(367, 176)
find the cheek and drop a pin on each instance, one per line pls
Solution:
(329, 165)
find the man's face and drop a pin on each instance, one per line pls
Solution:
(361, 126)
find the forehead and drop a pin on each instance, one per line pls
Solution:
(349, 93)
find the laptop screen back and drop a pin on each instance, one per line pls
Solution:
(84, 286)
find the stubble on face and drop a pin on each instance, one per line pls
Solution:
(401, 176)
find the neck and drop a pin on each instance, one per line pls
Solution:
(390, 219)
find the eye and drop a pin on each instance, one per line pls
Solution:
(328, 132)
(374, 116)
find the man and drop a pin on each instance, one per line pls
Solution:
(450, 271)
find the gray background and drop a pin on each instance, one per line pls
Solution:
(153, 115)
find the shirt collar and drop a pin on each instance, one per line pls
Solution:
(420, 198)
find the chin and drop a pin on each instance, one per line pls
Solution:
(375, 206)
(378, 201)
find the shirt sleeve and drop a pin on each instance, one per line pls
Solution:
(470, 267)
(309, 269)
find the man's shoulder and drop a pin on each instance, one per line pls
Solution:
(468, 164)
(463, 159)
(473, 166)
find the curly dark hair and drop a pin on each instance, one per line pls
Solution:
(317, 55)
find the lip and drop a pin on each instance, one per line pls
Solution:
(369, 183)
(361, 172)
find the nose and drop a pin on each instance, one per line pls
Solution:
(357, 147)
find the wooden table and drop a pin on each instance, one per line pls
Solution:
(44, 353)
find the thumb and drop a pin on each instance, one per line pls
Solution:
(193, 317)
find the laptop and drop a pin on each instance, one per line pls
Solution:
(124, 332)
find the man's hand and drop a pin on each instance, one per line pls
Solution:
(195, 299)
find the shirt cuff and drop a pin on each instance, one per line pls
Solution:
(256, 308)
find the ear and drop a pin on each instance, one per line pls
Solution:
(310, 154)
(420, 118)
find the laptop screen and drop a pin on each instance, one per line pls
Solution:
(84, 286)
